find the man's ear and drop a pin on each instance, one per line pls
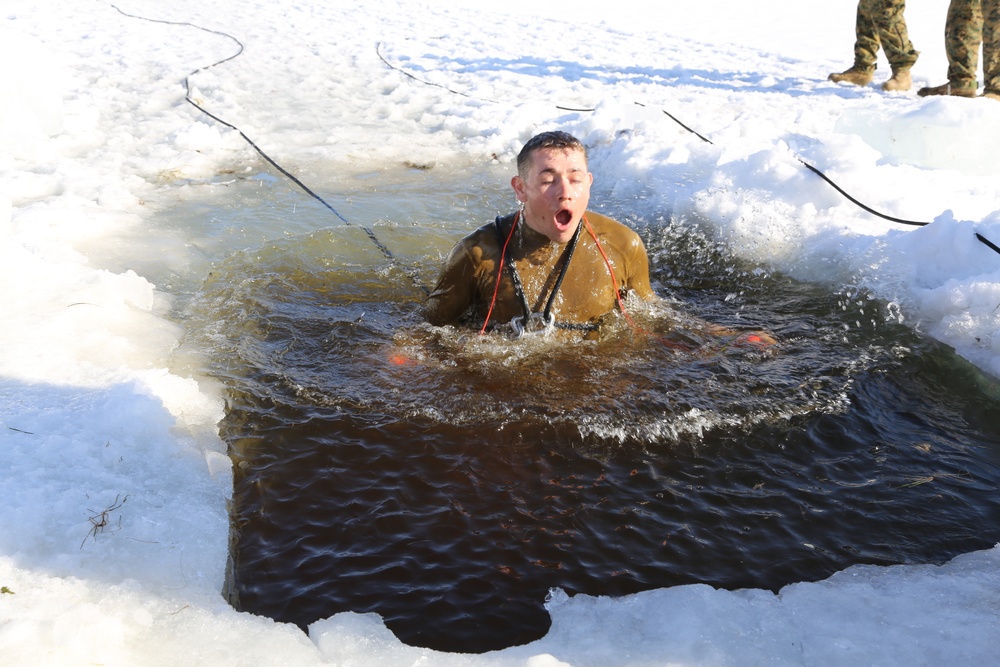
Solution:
(518, 184)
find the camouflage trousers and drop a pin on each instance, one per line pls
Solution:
(881, 23)
(969, 24)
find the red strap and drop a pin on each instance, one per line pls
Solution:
(500, 264)
(611, 270)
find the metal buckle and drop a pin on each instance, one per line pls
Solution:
(538, 324)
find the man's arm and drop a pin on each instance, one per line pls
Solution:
(452, 295)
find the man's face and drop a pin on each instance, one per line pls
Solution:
(555, 192)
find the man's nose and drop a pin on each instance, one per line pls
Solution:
(565, 188)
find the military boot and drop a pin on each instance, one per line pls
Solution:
(900, 80)
(992, 94)
(958, 89)
(858, 75)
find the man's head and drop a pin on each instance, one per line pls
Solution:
(554, 139)
(553, 183)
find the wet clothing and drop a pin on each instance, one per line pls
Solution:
(468, 280)
(969, 24)
(881, 23)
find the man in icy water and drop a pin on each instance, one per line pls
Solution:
(551, 264)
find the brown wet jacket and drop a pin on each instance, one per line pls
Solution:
(465, 289)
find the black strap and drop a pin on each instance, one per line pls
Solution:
(568, 253)
(508, 262)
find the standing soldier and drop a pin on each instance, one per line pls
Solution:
(881, 22)
(969, 24)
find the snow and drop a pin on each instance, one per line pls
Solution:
(114, 478)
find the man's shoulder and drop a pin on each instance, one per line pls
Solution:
(486, 234)
(479, 242)
(598, 220)
(489, 230)
(603, 225)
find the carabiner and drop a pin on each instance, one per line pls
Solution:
(533, 328)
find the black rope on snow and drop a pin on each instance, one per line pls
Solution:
(987, 242)
(187, 96)
(836, 187)
(676, 120)
(819, 173)
(855, 201)
(378, 52)
(706, 140)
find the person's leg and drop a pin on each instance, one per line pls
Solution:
(866, 35)
(895, 39)
(963, 35)
(866, 47)
(991, 48)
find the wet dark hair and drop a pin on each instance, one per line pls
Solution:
(555, 139)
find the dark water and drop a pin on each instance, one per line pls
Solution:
(448, 481)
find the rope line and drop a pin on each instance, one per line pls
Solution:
(987, 242)
(677, 120)
(187, 97)
(855, 201)
(378, 52)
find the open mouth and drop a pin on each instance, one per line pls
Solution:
(563, 217)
